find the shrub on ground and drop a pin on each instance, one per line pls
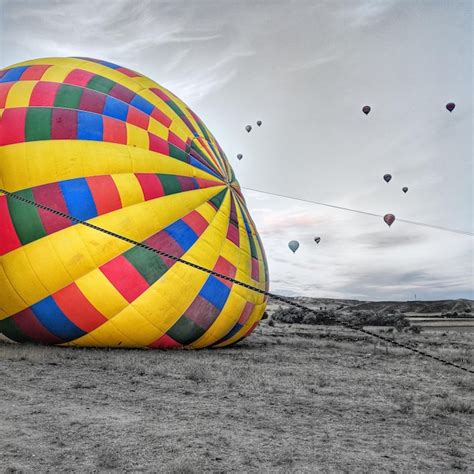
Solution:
(290, 315)
(371, 318)
(298, 316)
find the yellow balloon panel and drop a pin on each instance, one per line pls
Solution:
(103, 144)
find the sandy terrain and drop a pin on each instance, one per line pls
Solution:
(289, 399)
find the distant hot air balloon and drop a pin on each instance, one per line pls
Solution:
(239, 156)
(389, 219)
(259, 122)
(366, 109)
(293, 244)
(450, 106)
(387, 177)
(317, 239)
(248, 128)
(405, 189)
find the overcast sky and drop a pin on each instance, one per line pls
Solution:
(305, 68)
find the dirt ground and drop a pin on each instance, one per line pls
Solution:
(288, 399)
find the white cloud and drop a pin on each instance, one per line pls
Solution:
(306, 69)
(365, 13)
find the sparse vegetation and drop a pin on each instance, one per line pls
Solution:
(359, 318)
(291, 315)
(197, 373)
(452, 406)
(107, 459)
(405, 403)
(284, 458)
(454, 450)
(182, 465)
(455, 314)
(291, 398)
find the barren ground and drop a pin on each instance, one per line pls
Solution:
(288, 399)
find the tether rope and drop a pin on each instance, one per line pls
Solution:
(237, 282)
(367, 213)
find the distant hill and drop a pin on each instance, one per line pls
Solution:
(421, 307)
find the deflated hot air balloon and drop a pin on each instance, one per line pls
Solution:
(293, 245)
(106, 145)
(317, 239)
(387, 177)
(239, 156)
(405, 189)
(366, 109)
(248, 128)
(389, 219)
(450, 106)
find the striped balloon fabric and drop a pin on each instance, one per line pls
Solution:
(107, 145)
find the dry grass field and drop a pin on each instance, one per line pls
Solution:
(291, 398)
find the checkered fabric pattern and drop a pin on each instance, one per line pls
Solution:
(105, 144)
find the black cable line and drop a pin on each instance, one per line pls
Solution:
(237, 282)
(373, 214)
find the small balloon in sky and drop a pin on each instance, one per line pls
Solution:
(248, 128)
(259, 122)
(366, 109)
(317, 239)
(293, 244)
(239, 156)
(387, 177)
(405, 189)
(389, 219)
(450, 106)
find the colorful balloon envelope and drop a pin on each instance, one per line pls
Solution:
(317, 239)
(109, 146)
(239, 156)
(389, 219)
(366, 109)
(450, 106)
(387, 177)
(248, 128)
(405, 189)
(293, 245)
(259, 123)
